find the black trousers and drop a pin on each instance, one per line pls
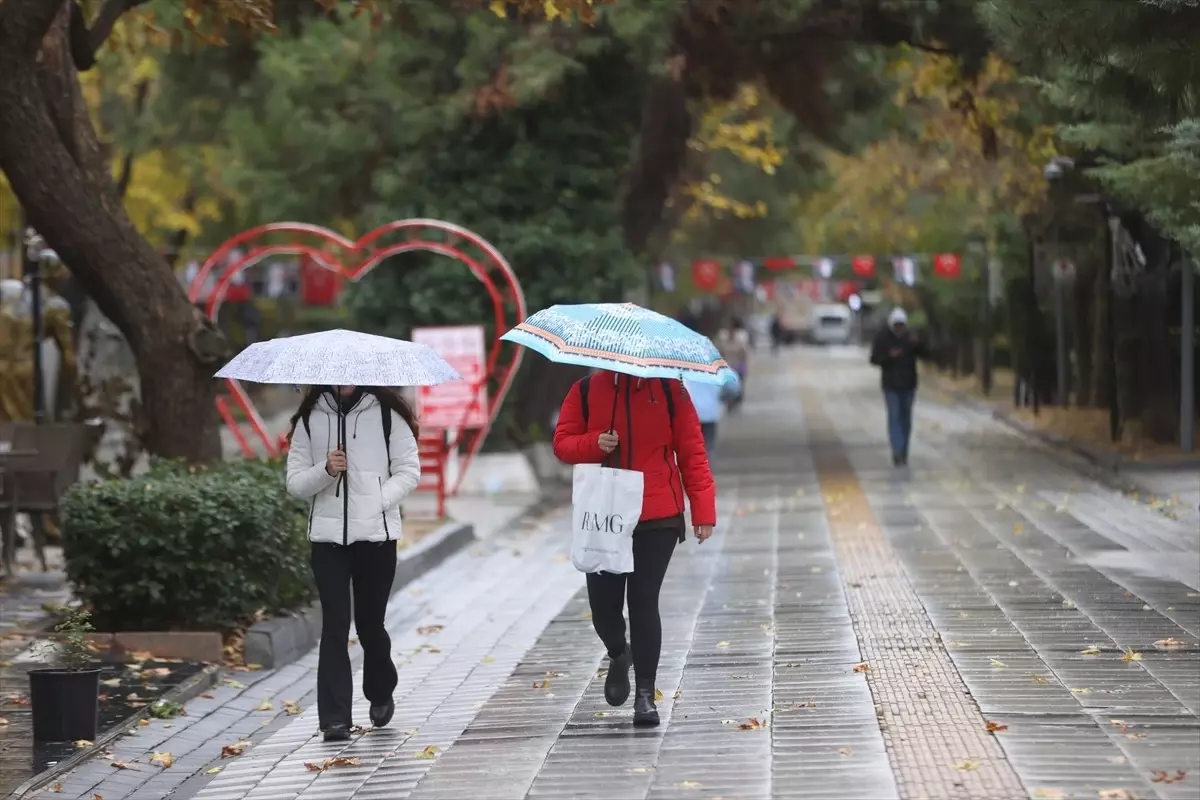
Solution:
(362, 571)
(653, 544)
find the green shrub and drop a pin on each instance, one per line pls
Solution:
(182, 548)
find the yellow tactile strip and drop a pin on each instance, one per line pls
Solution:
(936, 738)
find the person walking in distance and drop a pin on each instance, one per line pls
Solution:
(709, 401)
(649, 426)
(353, 455)
(895, 351)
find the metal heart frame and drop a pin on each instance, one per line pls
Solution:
(353, 260)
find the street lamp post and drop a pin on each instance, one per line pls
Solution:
(1054, 171)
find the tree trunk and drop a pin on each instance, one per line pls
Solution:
(1083, 316)
(53, 160)
(1101, 391)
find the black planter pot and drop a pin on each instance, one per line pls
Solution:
(64, 704)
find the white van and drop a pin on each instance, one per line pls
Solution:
(832, 324)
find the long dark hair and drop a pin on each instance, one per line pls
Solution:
(389, 399)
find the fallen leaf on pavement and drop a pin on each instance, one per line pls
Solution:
(967, 766)
(425, 630)
(57, 787)
(1116, 794)
(429, 752)
(234, 684)
(212, 771)
(863, 667)
(329, 763)
(997, 663)
(1049, 794)
(995, 727)
(751, 724)
(119, 764)
(722, 644)
(603, 713)
(235, 749)
(1039, 678)
(688, 785)
(1130, 655)
(292, 708)
(143, 723)
(1083, 690)
(165, 759)
(1135, 736)
(82, 744)
(846, 751)
(111, 682)
(1166, 777)
(487, 660)
(265, 705)
(3, 722)
(158, 672)
(542, 684)
(1090, 651)
(678, 694)
(1169, 642)
(1018, 529)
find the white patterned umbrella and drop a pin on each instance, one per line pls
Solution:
(340, 358)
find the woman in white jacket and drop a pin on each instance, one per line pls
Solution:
(353, 455)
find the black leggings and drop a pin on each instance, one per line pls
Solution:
(354, 580)
(652, 549)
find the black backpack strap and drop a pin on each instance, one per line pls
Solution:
(584, 383)
(666, 387)
(307, 429)
(386, 414)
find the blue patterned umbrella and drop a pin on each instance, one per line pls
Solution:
(622, 337)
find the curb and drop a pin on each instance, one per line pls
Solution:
(188, 690)
(1110, 468)
(274, 643)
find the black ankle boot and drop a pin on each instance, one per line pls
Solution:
(337, 733)
(381, 714)
(616, 684)
(644, 712)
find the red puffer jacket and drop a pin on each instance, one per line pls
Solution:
(670, 455)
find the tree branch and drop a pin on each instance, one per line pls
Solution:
(85, 42)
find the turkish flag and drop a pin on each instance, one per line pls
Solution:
(947, 265)
(706, 273)
(864, 266)
(318, 286)
(779, 262)
(846, 290)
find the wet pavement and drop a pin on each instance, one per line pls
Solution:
(988, 623)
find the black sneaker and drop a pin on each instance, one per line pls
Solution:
(616, 684)
(337, 733)
(644, 711)
(897, 460)
(381, 714)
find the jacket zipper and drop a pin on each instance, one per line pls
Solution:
(386, 533)
(345, 486)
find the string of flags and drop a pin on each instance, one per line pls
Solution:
(726, 276)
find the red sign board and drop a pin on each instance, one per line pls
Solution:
(457, 404)
(706, 273)
(318, 286)
(864, 266)
(779, 262)
(947, 265)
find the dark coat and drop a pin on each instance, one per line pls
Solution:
(896, 357)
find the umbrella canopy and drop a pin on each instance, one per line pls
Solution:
(340, 358)
(622, 337)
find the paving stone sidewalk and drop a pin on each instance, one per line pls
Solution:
(850, 632)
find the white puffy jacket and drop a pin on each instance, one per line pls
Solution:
(367, 507)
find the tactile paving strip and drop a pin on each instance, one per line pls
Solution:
(935, 735)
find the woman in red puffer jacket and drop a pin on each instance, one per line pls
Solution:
(653, 429)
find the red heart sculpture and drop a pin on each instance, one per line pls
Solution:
(354, 259)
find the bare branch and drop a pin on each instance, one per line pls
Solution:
(85, 42)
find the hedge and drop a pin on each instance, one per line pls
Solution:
(182, 548)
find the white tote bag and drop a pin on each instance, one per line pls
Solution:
(605, 506)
